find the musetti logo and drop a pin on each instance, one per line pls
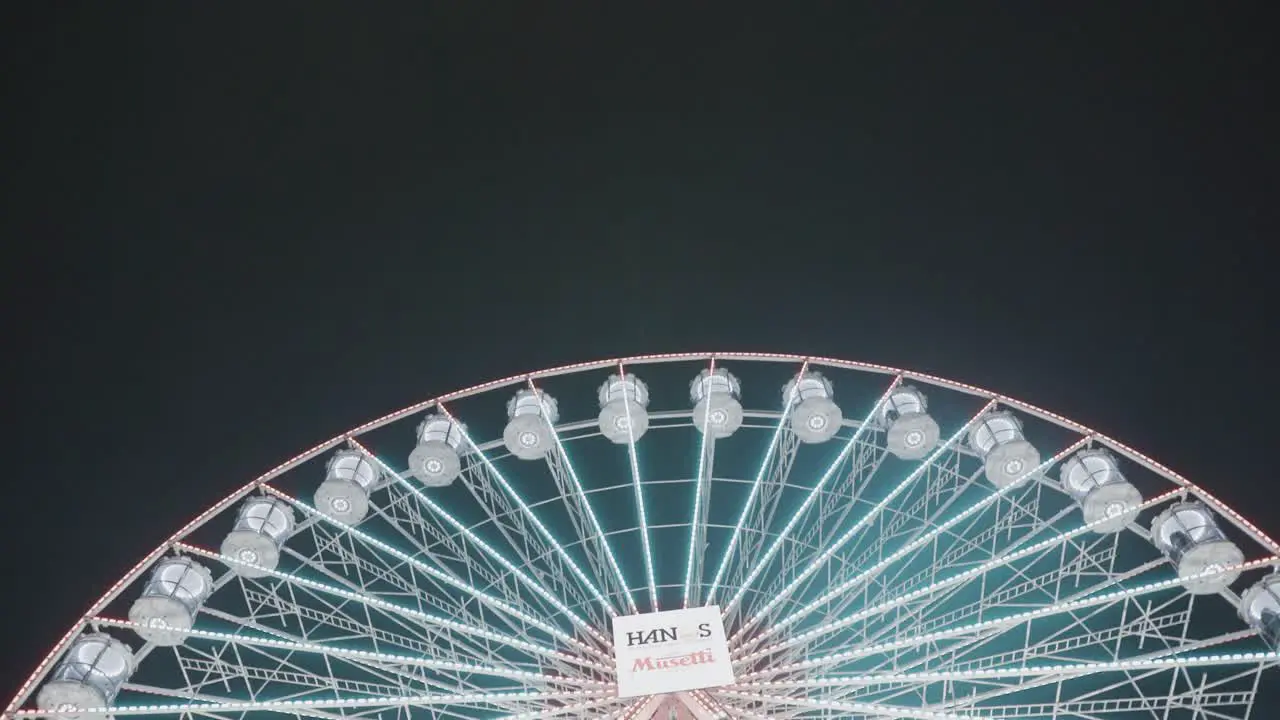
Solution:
(668, 662)
(670, 651)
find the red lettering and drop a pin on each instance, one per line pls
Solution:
(666, 663)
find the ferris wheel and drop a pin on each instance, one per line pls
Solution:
(630, 539)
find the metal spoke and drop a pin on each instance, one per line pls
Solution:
(857, 527)
(769, 455)
(641, 513)
(857, 574)
(701, 504)
(492, 474)
(809, 499)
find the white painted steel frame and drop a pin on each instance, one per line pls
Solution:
(919, 602)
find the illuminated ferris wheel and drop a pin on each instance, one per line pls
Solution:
(630, 539)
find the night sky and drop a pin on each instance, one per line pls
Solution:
(234, 230)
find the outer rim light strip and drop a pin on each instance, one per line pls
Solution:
(640, 508)
(1165, 473)
(697, 491)
(586, 501)
(1245, 658)
(914, 545)
(350, 654)
(381, 604)
(813, 494)
(502, 480)
(1014, 619)
(971, 573)
(821, 361)
(864, 520)
(516, 572)
(286, 705)
(755, 486)
(497, 603)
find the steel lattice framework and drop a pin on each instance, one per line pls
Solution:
(853, 583)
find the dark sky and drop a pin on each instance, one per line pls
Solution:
(234, 230)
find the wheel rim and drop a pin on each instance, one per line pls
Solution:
(745, 570)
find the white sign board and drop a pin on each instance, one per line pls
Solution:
(670, 651)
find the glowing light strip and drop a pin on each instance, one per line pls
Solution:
(442, 577)
(813, 495)
(914, 545)
(112, 592)
(367, 655)
(369, 601)
(698, 491)
(118, 586)
(1148, 462)
(840, 542)
(738, 713)
(640, 505)
(647, 708)
(625, 713)
(755, 486)
(490, 698)
(705, 702)
(870, 709)
(629, 712)
(1016, 618)
(574, 708)
(586, 503)
(528, 511)
(967, 575)
(510, 567)
(1085, 668)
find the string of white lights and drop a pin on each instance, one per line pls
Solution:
(485, 547)
(755, 486)
(706, 444)
(641, 512)
(910, 547)
(813, 495)
(1013, 619)
(817, 562)
(435, 574)
(369, 601)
